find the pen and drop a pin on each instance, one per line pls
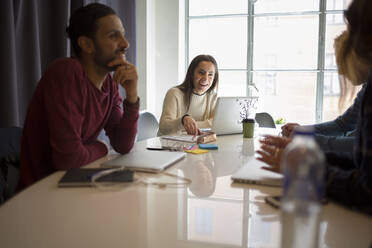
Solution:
(165, 148)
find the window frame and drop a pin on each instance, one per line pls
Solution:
(320, 70)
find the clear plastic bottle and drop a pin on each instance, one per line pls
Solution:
(303, 168)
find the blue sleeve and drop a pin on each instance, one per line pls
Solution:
(335, 143)
(353, 187)
(332, 135)
(344, 123)
(348, 120)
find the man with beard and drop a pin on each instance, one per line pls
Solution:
(77, 97)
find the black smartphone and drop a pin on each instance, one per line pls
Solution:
(275, 201)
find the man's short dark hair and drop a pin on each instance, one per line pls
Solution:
(83, 22)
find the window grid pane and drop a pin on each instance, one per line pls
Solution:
(223, 38)
(335, 26)
(337, 4)
(232, 83)
(217, 7)
(277, 6)
(290, 95)
(286, 42)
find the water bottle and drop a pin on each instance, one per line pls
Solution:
(303, 168)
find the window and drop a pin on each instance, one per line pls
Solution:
(268, 84)
(331, 85)
(330, 60)
(285, 47)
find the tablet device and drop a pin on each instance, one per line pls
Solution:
(82, 177)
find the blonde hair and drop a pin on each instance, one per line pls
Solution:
(350, 64)
(353, 48)
(352, 71)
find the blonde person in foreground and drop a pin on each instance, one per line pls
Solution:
(190, 105)
(348, 180)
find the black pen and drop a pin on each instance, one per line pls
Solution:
(164, 148)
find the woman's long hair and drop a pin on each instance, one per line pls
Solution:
(187, 86)
(353, 47)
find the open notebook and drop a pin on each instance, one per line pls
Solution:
(252, 173)
(146, 160)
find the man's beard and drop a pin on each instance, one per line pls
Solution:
(103, 62)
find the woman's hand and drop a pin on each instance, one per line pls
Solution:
(287, 129)
(190, 126)
(271, 151)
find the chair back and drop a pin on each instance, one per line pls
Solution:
(10, 149)
(148, 126)
(265, 120)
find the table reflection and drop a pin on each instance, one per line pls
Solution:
(216, 213)
(202, 174)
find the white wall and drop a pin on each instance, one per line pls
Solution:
(160, 50)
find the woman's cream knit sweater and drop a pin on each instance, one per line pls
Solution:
(201, 110)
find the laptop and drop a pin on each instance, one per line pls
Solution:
(146, 160)
(252, 173)
(227, 118)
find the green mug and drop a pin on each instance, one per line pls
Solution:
(248, 128)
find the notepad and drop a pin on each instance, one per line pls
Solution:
(208, 146)
(197, 151)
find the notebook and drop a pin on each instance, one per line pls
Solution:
(146, 160)
(182, 138)
(252, 173)
(227, 118)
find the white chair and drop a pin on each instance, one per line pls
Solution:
(148, 126)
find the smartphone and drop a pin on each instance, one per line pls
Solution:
(275, 201)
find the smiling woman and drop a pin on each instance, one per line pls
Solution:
(190, 105)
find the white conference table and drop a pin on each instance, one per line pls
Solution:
(211, 212)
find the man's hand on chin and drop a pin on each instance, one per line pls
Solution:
(126, 75)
